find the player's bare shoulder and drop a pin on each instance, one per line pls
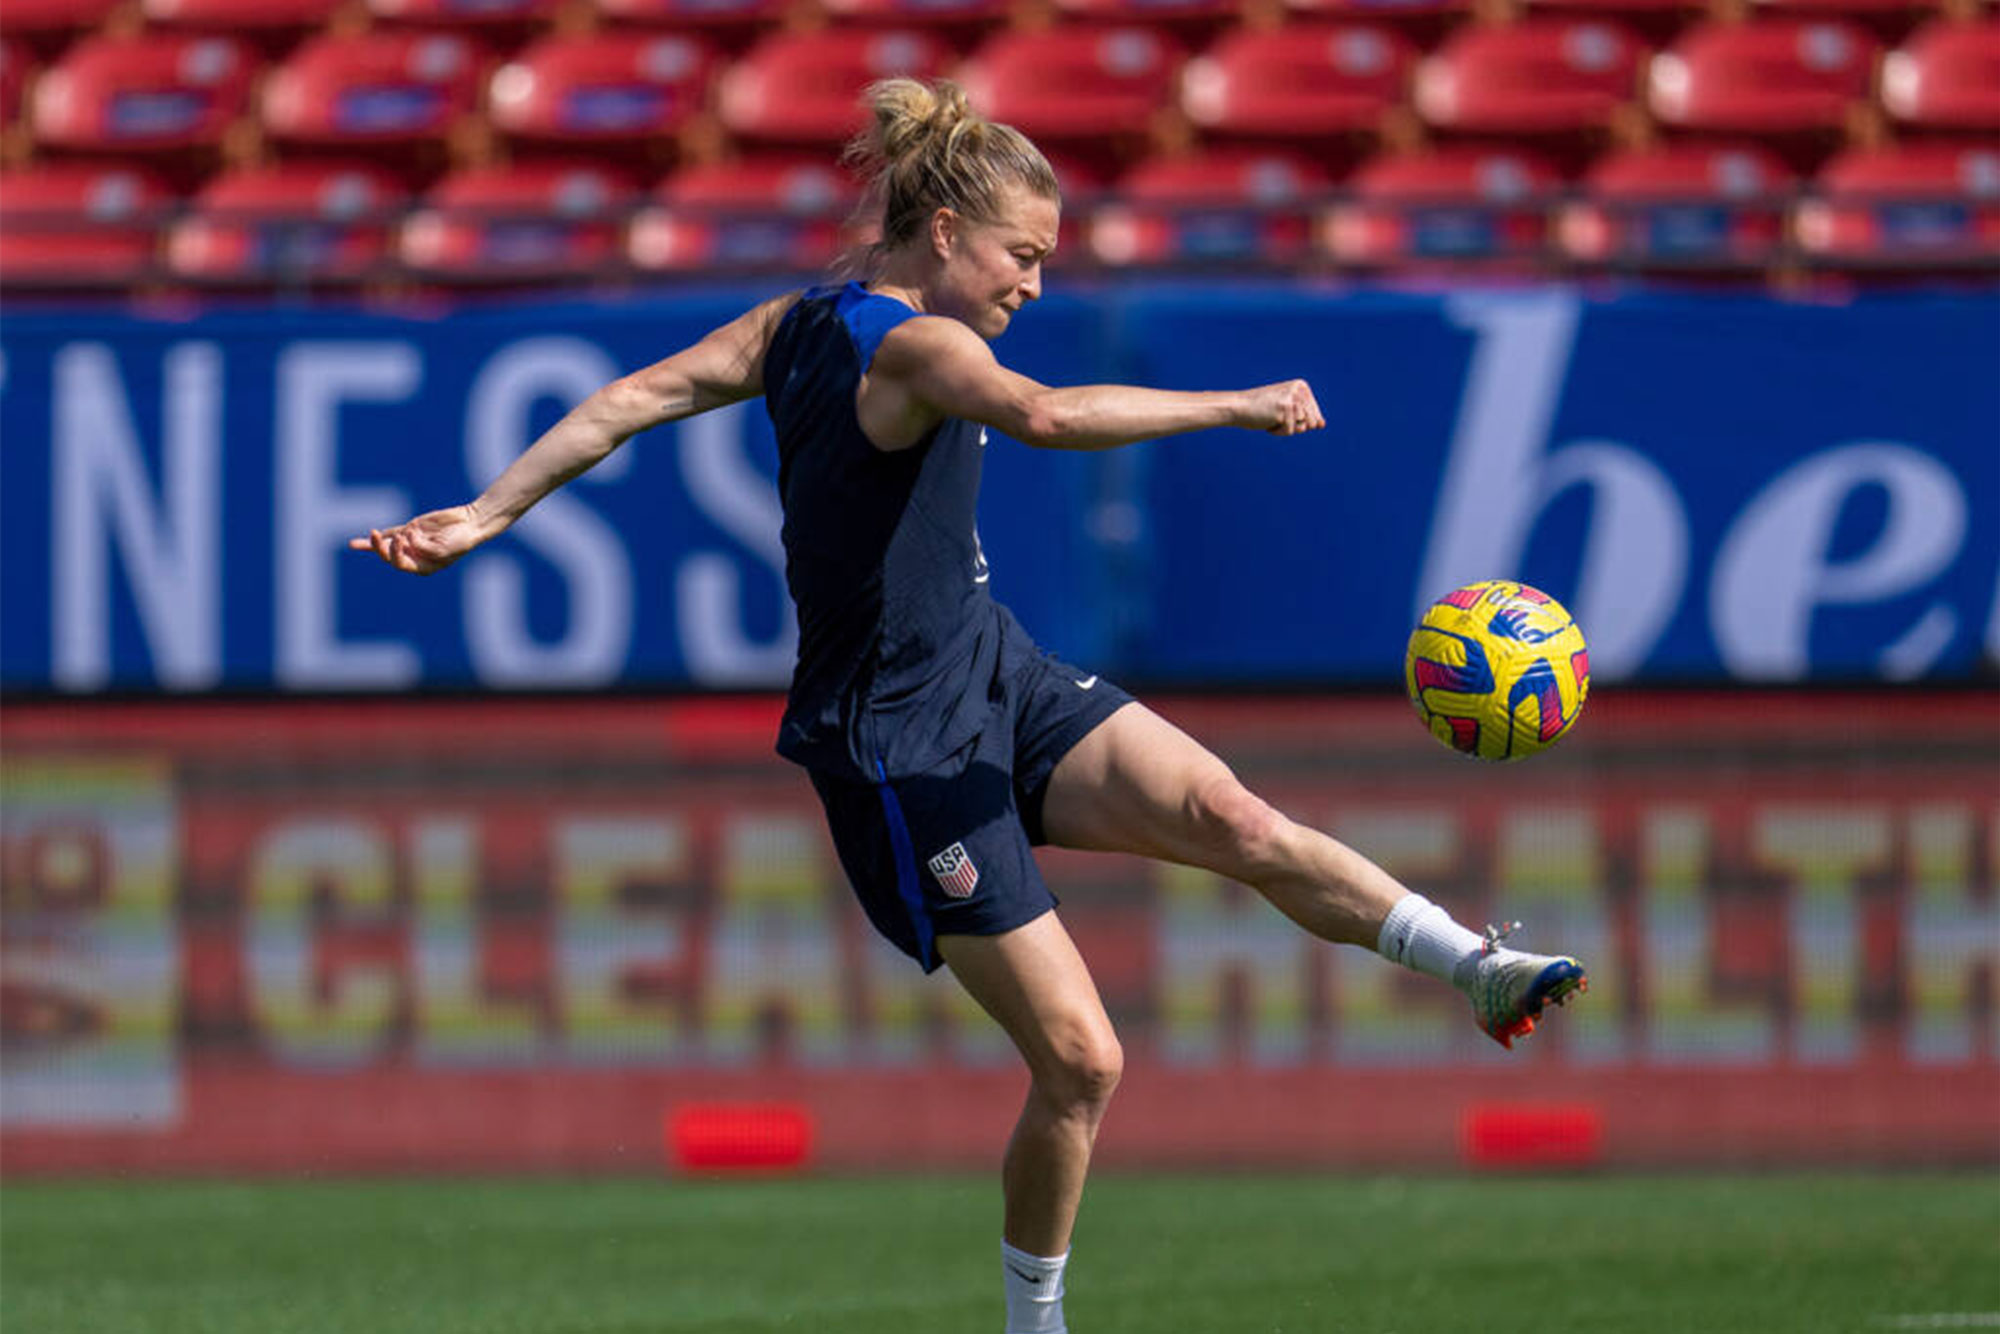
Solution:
(925, 340)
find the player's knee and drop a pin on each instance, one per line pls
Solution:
(1244, 828)
(1085, 1072)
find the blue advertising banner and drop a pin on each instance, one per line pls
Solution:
(1721, 488)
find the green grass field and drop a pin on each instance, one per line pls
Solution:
(1154, 1255)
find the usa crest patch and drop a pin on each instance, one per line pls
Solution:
(955, 873)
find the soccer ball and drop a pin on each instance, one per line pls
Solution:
(1497, 670)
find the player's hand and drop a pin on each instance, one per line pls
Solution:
(1286, 408)
(427, 543)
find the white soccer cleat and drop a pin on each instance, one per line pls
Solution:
(1509, 987)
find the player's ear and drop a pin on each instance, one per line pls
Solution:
(944, 231)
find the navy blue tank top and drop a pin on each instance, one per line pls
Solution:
(899, 640)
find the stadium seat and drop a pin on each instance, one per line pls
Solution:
(805, 88)
(1537, 77)
(484, 15)
(381, 89)
(1093, 92)
(1825, 8)
(1215, 208)
(1305, 82)
(44, 25)
(1890, 19)
(1462, 204)
(1423, 19)
(1683, 206)
(298, 223)
(958, 20)
(1193, 20)
(79, 224)
(1652, 19)
(728, 22)
(780, 213)
(1781, 76)
(268, 23)
(15, 61)
(1946, 77)
(1932, 205)
(530, 222)
(605, 88)
(158, 93)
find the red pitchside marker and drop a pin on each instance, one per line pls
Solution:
(1554, 1134)
(739, 1136)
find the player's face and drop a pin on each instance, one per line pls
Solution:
(994, 268)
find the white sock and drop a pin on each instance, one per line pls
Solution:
(1418, 934)
(1034, 1291)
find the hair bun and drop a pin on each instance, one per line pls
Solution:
(909, 114)
(925, 148)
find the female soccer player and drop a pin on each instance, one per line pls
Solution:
(942, 743)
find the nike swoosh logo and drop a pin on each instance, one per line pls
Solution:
(1023, 1275)
(1086, 683)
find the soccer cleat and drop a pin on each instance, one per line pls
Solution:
(1509, 987)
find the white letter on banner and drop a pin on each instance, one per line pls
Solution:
(1772, 569)
(582, 547)
(100, 483)
(742, 501)
(1498, 480)
(316, 515)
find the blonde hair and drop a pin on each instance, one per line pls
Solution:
(928, 149)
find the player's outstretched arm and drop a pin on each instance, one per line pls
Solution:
(725, 367)
(948, 370)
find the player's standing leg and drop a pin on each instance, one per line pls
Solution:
(1139, 784)
(1035, 985)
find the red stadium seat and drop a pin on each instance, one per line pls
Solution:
(1094, 92)
(955, 18)
(796, 186)
(1931, 205)
(782, 213)
(1225, 207)
(1459, 205)
(45, 24)
(293, 223)
(602, 88)
(1309, 81)
(384, 88)
(150, 94)
(1541, 76)
(717, 18)
(1421, 18)
(514, 15)
(805, 88)
(1946, 77)
(1891, 19)
(15, 61)
(78, 224)
(1653, 19)
(1844, 7)
(1780, 76)
(1682, 206)
(1193, 19)
(261, 21)
(530, 222)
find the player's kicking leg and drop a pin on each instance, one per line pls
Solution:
(1139, 784)
(1035, 985)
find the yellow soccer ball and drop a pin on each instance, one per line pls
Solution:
(1497, 670)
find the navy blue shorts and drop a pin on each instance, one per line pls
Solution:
(947, 851)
